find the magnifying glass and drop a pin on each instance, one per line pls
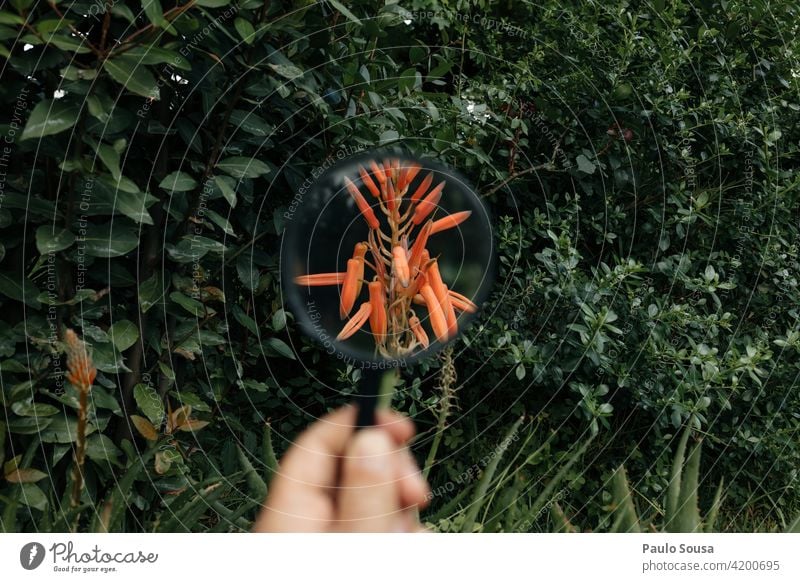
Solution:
(386, 259)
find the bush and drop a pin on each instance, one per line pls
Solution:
(638, 157)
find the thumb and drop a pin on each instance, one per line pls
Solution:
(368, 499)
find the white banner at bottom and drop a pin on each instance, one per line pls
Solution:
(390, 557)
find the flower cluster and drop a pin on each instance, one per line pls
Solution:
(80, 369)
(404, 275)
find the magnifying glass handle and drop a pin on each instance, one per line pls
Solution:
(368, 397)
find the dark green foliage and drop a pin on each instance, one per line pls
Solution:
(640, 162)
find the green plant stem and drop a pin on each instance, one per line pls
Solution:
(80, 452)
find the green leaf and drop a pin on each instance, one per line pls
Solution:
(480, 496)
(135, 77)
(121, 196)
(50, 241)
(151, 292)
(108, 359)
(245, 29)
(178, 182)
(247, 271)
(250, 122)
(280, 347)
(32, 496)
(9, 18)
(152, 8)
(123, 334)
(63, 430)
(109, 240)
(290, 72)
(191, 305)
(102, 449)
(25, 475)
(256, 485)
(149, 402)
(226, 185)
(155, 55)
(241, 167)
(625, 518)
(212, 3)
(49, 118)
(110, 158)
(674, 486)
(341, 8)
(20, 289)
(584, 165)
(34, 409)
(68, 43)
(279, 320)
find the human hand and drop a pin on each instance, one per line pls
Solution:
(336, 479)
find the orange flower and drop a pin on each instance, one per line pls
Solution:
(461, 302)
(419, 332)
(356, 322)
(350, 287)
(361, 203)
(320, 279)
(377, 171)
(391, 198)
(418, 248)
(428, 204)
(359, 252)
(450, 221)
(80, 369)
(400, 265)
(422, 188)
(377, 318)
(440, 291)
(450, 315)
(368, 182)
(407, 176)
(437, 316)
(403, 272)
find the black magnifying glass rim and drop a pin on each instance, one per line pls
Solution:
(292, 292)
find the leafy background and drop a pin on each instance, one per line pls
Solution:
(639, 159)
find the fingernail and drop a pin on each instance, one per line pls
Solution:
(372, 449)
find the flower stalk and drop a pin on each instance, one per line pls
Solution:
(81, 373)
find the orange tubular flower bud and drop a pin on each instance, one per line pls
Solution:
(422, 188)
(356, 322)
(438, 318)
(359, 252)
(418, 248)
(361, 203)
(369, 183)
(418, 331)
(320, 279)
(350, 286)
(450, 315)
(428, 204)
(450, 221)
(391, 198)
(436, 283)
(377, 318)
(461, 302)
(434, 279)
(400, 265)
(408, 175)
(377, 172)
